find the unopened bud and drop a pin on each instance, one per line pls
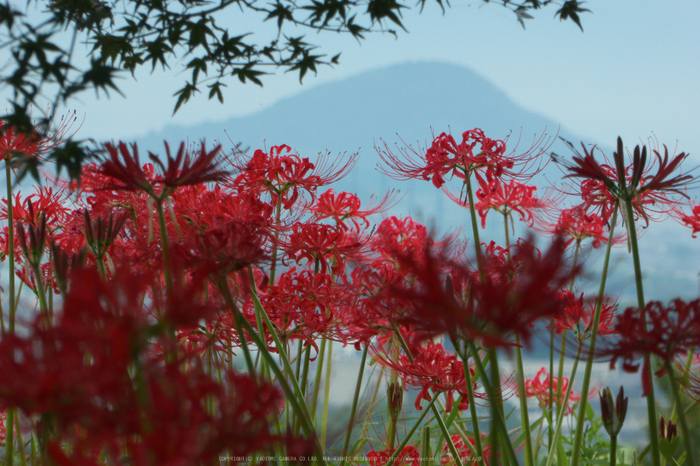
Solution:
(667, 431)
(613, 412)
(395, 394)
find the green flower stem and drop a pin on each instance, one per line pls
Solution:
(578, 439)
(237, 320)
(327, 391)
(9, 437)
(20, 441)
(564, 404)
(425, 446)
(641, 303)
(470, 394)
(475, 227)
(408, 436)
(525, 417)
(165, 248)
(520, 377)
(317, 378)
(278, 216)
(613, 450)
(684, 376)
(687, 440)
(355, 399)
(498, 420)
(294, 394)
(560, 373)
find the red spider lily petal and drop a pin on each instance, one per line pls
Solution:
(32, 144)
(125, 172)
(513, 304)
(692, 220)
(13, 143)
(185, 171)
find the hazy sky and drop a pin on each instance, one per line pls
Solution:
(634, 70)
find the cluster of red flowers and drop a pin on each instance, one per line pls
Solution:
(163, 268)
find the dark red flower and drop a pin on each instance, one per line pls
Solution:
(126, 173)
(446, 296)
(603, 184)
(664, 331)
(445, 157)
(285, 175)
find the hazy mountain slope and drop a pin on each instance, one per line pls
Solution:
(355, 114)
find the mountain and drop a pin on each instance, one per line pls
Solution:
(409, 102)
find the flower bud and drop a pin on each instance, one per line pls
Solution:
(613, 413)
(395, 395)
(667, 431)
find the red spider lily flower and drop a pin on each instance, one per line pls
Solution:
(466, 451)
(692, 221)
(578, 314)
(538, 387)
(48, 372)
(433, 369)
(344, 206)
(504, 198)
(664, 331)
(126, 172)
(285, 175)
(16, 144)
(445, 157)
(489, 311)
(3, 429)
(576, 224)
(409, 456)
(223, 250)
(603, 184)
(322, 245)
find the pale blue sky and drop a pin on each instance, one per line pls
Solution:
(634, 70)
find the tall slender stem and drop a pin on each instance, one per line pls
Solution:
(470, 394)
(687, 440)
(520, 377)
(408, 436)
(578, 438)
(355, 399)
(641, 303)
(499, 420)
(561, 409)
(9, 437)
